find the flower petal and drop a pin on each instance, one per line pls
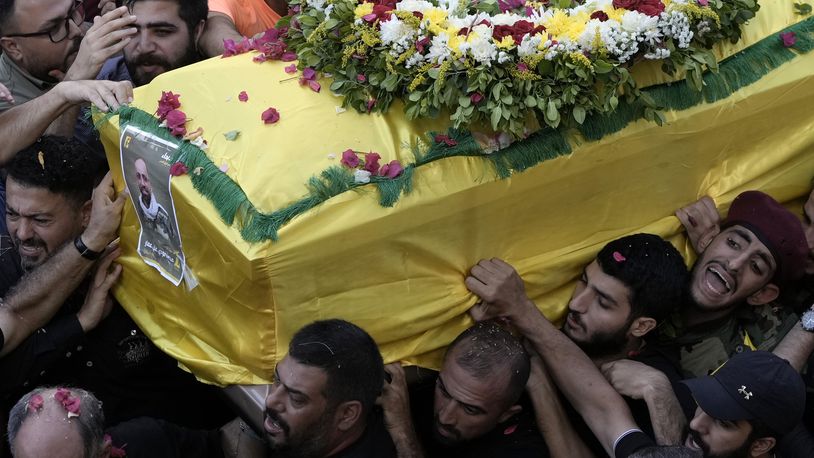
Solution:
(270, 116)
(243, 96)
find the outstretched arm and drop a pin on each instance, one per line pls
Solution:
(554, 425)
(22, 125)
(219, 27)
(504, 296)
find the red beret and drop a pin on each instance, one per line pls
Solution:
(776, 227)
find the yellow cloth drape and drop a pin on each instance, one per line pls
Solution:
(398, 272)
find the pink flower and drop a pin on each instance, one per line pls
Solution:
(370, 104)
(270, 116)
(178, 169)
(420, 44)
(35, 403)
(308, 74)
(445, 139)
(176, 122)
(361, 78)
(70, 402)
(703, 2)
(391, 169)
(476, 98)
(291, 69)
(314, 86)
(167, 103)
(243, 96)
(231, 48)
(349, 159)
(288, 57)
(788, 39)
(372, 162)
(522, 67)
(260, 58)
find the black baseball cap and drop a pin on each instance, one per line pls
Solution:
(754, 385)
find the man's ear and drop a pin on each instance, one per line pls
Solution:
(9, 46)
(85, 211)
(348, 415)
(510, 412)
(762, 446)
(199, 30)
(764, 295)
(642, 326)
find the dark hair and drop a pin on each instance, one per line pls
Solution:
(192, 12)
(760, 429)
(487, 350)
(6, 12)
(652, 269)
(61, 165)
(666, 451)
(347, 354)
(91, 419)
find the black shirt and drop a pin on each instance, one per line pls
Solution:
(517, 437)
(374, 443)
(116, 361)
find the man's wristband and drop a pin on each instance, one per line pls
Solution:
(83, 249)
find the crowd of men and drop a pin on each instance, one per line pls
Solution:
(652, 360)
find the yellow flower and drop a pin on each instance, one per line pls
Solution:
(561, 25)
(506, 43)
(436, 16)
(616, 14)
(363, 10)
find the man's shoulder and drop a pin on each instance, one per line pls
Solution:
(23, 87)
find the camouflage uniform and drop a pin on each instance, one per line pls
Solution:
(705, 347)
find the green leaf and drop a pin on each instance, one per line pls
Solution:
(464, 101)
(331, 23)
(507, 99)
(802, 8)
(551, 112)
(614, 102)
(415, 96)
(496, 114)
(602, 66)
(530, 101)
(579, 113)
(232, 135)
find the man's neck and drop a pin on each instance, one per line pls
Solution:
(694, 316)
(349, 439)
(632, 347)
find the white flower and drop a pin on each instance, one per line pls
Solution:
(329, 10)
(361, 176)
(414, 5)
(439, 50)
(393, 30)
(317, 4)
(483, 50)
(529, 45)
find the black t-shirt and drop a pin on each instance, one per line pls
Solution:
(518, 437)
(152, 438)
(632, 443)
(374, 443)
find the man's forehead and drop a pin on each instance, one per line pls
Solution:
(751, 237)
(150, 11)
(310, 380)
(20, 197)
(34, 14)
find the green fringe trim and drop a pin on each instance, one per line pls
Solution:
(734, 73)
(234, 207)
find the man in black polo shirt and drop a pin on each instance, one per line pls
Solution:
(473, 407)
(322, 402)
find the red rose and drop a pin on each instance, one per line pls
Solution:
(650, 7)
(501, 31)
(601, 15)
(625, 4)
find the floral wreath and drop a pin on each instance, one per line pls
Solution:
(496, 61)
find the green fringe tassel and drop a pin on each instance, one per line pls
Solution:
(234, 207)
(734, 73)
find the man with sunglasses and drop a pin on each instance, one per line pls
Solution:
(43, 42)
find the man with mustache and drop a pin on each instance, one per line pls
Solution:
(43, 43)
(322, 401)
(167, 38)
(744, 263)
(472, 407)
(60, 325)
